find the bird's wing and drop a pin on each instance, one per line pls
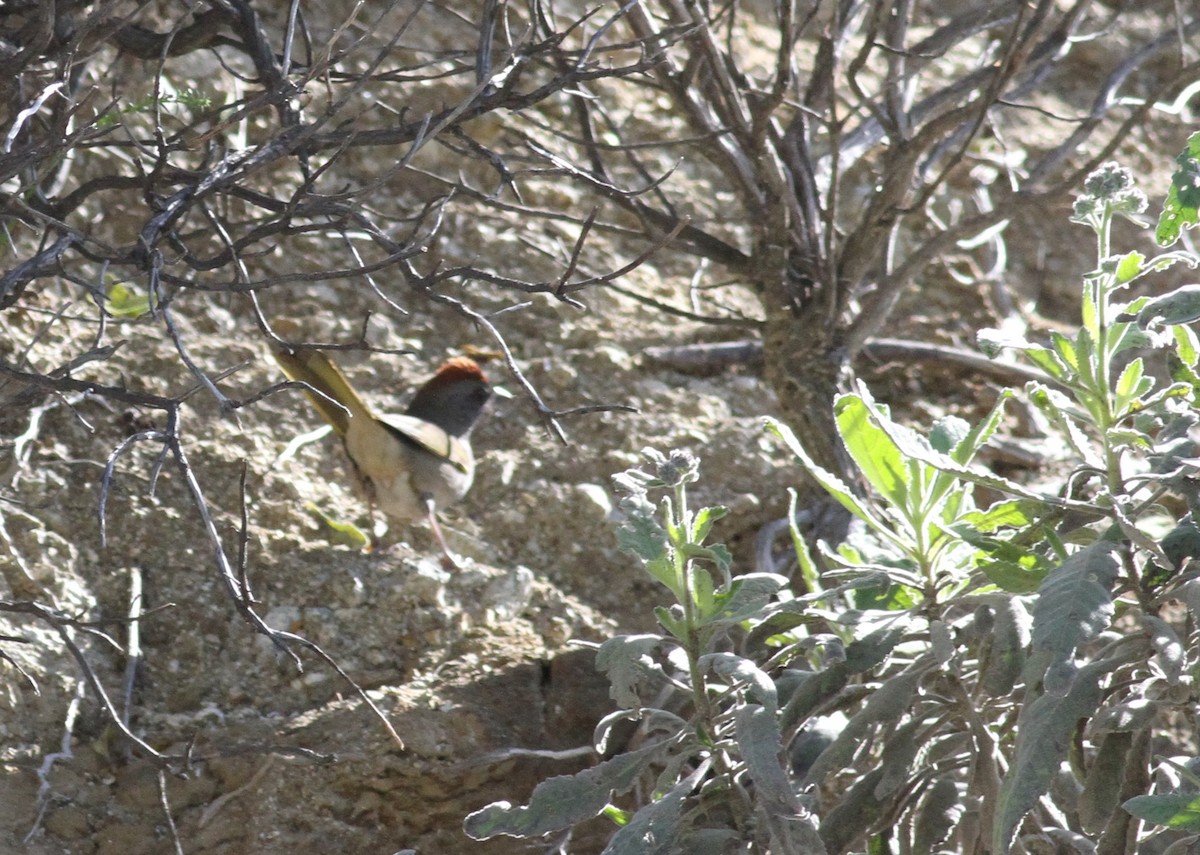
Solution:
(429, 437)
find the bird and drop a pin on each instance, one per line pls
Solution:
(412, 464)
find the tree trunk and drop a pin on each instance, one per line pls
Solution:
(807, 366)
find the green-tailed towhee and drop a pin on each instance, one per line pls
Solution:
(408, 465)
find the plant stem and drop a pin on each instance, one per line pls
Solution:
(683, 572)
(1103, 285)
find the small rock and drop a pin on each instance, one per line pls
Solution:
(598, 497)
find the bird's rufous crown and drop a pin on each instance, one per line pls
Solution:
(459, 368)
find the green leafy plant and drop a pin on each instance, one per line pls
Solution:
(708, 763)
(187, 97)
(981, 667)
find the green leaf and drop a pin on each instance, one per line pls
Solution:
(864, 654)
(703, 592)
(343, 532)
(717, 554)
(948, 434)
(1130, 385)
(1102, 786)
(125, 303)
(877, 456)
(900, 749)
(617, 816)
(1123, 337)
(1187, 347)
(978, 436)
(1016, 577)
(1183, 198)
(1065, 348)
(1006, 651)
(672, 624)
(1085, 348)
(1174, 810)
(888, 598)
(808, 568)
(1181, 306)
(1119, 438)
(1129, 267)
(703, 523)
(1183, 541)
(663, 569)
(859, 809)
(1056, 407)
(1006, 513)
(1049, 361)
(883, 706)
(561, 802)
(914, 447)
(829, 482)
(1088, 310)
(641, 534)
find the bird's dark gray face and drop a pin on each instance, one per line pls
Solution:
(454, 407)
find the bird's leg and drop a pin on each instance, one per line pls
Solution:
(377, 527)
(450, 560)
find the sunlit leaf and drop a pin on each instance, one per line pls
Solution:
(1183, 197)
(878, 458)
(125, 303)
(1129, 267)
(1174, 810)
(833, 485)
(1187, 346)
(340, 531)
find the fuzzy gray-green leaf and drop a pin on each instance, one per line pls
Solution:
(898, 754)
(1102, 786)
(886, 704)
(655, 829)
(565, 800)
(853, 815)
(1074, 605)
(1044, 732)
(1006, 652)
(746, 597)
(760, 741)
(626, 660)
(739, 669)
